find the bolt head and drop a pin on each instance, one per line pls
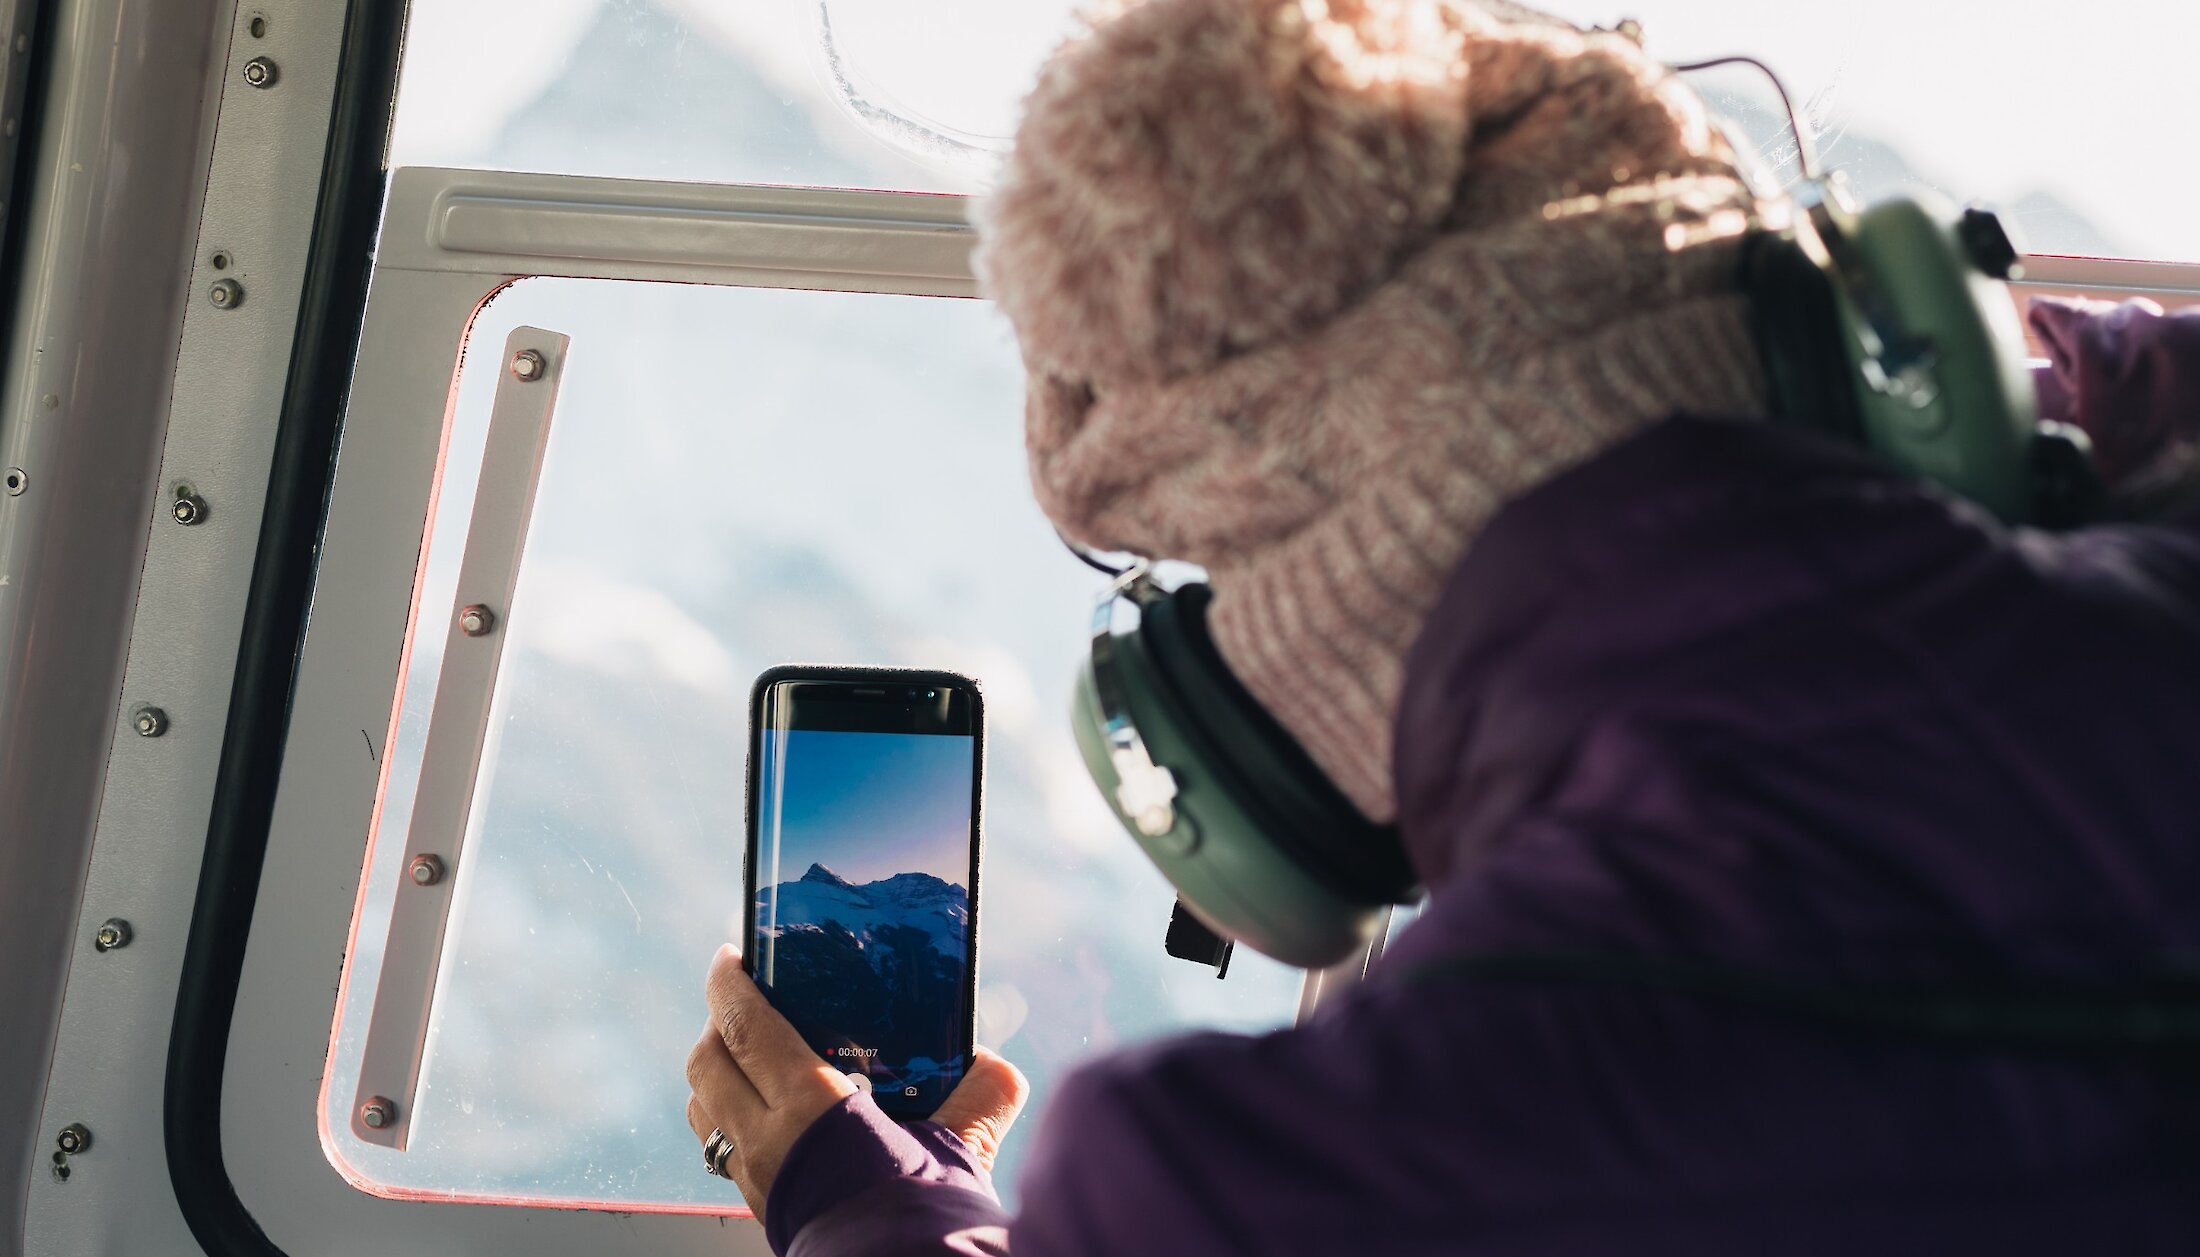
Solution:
(74, 1138)
(260, 72)
(527, 366)
(150, 722)
(476, 620)
(425, 870)
(226, 294)
(112, 933)
(377, 1112)
(188, 510)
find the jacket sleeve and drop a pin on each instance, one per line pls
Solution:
(859, 1184)
(2128, 374)
(1336, 1136)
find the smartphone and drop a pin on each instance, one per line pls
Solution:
(861, 870)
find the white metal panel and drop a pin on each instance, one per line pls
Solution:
(111, 1054)
(118, 134)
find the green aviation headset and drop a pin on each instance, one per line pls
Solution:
(1888, 327)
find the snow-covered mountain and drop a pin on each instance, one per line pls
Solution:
(877, 970)
(919, 901)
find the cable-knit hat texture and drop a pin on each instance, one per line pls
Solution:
(1306, 291)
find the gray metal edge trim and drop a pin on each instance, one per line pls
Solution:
(494, 222)
(2110, 273)
(458, 731)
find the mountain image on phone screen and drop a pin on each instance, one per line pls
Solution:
(862, 926)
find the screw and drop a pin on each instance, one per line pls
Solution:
(426, 870)
(476, 620)
(377, 1112)
(17, 481)
(150, 722)
(189, 508)
(527, 366)
(226, 294)
(260, 72)
(73, 1138)
(113, 933)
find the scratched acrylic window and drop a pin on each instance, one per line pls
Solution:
(2070, 120)
(735, 478)
(2064, 118)
(914, 96)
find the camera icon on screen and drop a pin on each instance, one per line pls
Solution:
(909, 1091)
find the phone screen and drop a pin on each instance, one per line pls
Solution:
(863, 864)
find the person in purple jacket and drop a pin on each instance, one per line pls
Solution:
(1417, 323)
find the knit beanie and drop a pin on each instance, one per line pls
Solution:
(1307, 289)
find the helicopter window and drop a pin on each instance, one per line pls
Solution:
(740, 476)
(734, 477)
(2063, 133)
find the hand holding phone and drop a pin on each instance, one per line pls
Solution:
(862, 870)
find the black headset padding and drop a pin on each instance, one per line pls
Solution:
(1262, 766)
(1800, 339)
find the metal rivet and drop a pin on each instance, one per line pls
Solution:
(189, 509)
(527, 366)
(226, 294)
(114, 932)
(73, 1138)
(150, 722)
(17, 481)
(377, 1112)
(260, 72)
(425, 870)
(476, 620)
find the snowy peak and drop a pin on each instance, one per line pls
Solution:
(938, 909)
(911, 887)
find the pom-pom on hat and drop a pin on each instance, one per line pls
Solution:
(1308, 289)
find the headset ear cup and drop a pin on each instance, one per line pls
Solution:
(1300, 809)
(1258, 842)
(1800, 338)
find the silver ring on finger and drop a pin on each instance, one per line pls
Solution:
(715, 1150)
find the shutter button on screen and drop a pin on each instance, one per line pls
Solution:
(909, 1091)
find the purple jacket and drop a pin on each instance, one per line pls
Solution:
(1724, 695)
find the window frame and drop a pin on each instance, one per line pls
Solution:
(451, 240)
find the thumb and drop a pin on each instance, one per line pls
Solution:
(985, 1104)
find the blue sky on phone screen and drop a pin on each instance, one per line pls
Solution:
(865, 805)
